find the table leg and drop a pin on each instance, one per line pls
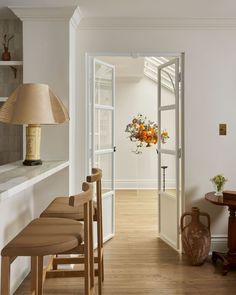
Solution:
(229, 258)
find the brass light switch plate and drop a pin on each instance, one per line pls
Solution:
(222, 129)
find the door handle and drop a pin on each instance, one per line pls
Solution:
(114, 149)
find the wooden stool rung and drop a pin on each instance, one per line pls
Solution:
(64, 273)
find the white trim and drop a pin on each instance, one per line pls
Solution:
(43, 13)
(108, 237)
(140, 184)
(3, 99)
(22, 275)
(169, 241)
(76, 18)
(105, 151)
(72, 101)
(108, 23)
(168, 152)
(219, 243)
(11, 63)
(104, 107)
(167, 107)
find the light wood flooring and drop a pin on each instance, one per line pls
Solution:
(138, 263)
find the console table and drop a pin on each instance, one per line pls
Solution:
(229, 258)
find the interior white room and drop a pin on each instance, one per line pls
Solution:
(108, 61)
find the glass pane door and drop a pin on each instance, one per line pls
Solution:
(169, 159)
(102, 142)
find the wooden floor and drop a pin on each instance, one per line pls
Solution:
(138, 263)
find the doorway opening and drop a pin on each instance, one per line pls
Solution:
(121, 89)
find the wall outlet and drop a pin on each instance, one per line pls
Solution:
(222, 129)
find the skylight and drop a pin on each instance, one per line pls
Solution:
(168, 75)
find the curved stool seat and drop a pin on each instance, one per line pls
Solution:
(60, 208)
(52, 236)
(45, 236)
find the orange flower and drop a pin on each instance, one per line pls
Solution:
(141, 126)
(165, 133)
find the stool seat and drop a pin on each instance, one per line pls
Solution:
(60, 208)
(46, 236)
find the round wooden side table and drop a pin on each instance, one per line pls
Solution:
(229, 258)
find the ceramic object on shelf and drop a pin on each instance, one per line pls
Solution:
(6, 54)
(196, 237)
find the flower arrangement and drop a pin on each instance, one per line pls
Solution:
(144, 132)
(219, 181)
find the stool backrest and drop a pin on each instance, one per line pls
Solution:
(96, 176)
(82, 198)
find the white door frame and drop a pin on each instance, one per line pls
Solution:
(108, 198)
(181, 55)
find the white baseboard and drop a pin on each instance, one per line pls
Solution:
(141, 184)
(219, 243)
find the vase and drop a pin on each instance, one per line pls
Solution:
(219, 189)
(6, 54)
(196, 237)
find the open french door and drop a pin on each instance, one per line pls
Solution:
(170, 153)
(101, 130)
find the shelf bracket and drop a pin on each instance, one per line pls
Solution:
(14, 71)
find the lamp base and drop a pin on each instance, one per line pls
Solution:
(32, 162)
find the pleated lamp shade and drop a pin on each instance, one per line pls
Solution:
(33, 104)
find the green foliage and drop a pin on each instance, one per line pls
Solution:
(219, 180)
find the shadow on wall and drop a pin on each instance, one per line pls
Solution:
(214, 211)
(59, 186)
(13, 228)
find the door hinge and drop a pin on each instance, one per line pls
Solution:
(180, 153)
(180, 75)
(114, 149)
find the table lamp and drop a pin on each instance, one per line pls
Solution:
(33, 104)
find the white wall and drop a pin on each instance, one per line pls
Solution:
(18, 210)
(133, 97)
(46, 60)
(209, 100)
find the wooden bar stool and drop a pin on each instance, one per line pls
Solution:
(51, 236)
(59, 208)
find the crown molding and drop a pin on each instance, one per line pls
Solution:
(44, 13)
(156, 23)
(76, 18)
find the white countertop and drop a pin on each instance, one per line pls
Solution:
(16, 177)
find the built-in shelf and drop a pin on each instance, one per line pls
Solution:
(16, 177)
(2, 99)
(11, 63)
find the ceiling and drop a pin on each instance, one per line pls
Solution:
(139, 8)
(126, 67)
(158, 8)
(38, 3)
(5, 13)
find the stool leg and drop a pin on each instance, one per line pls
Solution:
(100, 256)
(5, 276)
(40, 275)
(91, 244)
(54, 265)
(102, 263)
(87, 286)
(34, 275)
